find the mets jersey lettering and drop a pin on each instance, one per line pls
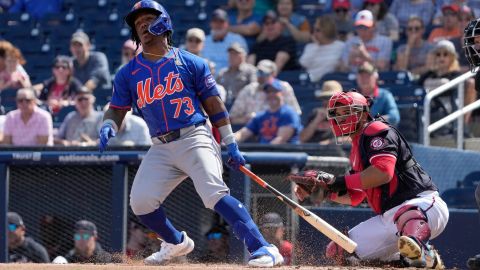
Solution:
(146, 96)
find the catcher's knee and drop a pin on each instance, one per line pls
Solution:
(413, 222)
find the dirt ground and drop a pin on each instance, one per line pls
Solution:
(167, 267)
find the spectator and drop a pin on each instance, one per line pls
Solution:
(87, 249)
(5, 5)
(412, 56)
(7, 48)
(404, 9)
(52, 232)
(279, 124)
(129, 51)
(244, 22)
(2, 126)
(59, 90)
(217, 245)
(317, 128)
(28, 125)
(444, 69)
(251, 99)
(12, 77)
(80, 127)
(383, 102)
(91, 68)
(280, 49)
(141, 241)
(367, 46)
(222, 93)
(133, 131)
(38, 8)
(466, 15)
(273, 228)
(220, 39)
(238, 74)
(323, 54)
(386, 23)
(294, 25)
(23, 249)
(451, 27)
(195, 39)
(343, 20)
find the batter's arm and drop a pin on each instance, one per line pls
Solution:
(213, 106)
(115, 115)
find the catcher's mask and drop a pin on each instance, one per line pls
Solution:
(162, 25)
(471, 43)
(345, 111)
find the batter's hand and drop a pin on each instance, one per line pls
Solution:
(235, 158)
(106, 132)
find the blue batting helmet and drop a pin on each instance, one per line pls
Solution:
(161, 25)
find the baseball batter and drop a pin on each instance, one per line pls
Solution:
(170, 87)
(406, 201)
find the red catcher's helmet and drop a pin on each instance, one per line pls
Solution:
(346, 124)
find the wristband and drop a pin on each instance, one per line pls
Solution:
(112, 123)
(353, 181)
(218, 116)
(339, 185)
(226, 134)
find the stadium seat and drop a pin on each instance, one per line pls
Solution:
(8, 99)
(472, 179)
(297, 77)
(60, 116)
(102, 97)
(341, 77)
(395, 78)
(407, 94)
(460, 198)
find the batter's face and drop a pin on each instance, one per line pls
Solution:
(141, 23)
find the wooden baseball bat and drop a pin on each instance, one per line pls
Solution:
(319, 224)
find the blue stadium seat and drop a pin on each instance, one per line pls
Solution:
(60, 116)
(407, 94)
(8, 99)
(340, 77)
(103, 96)
(297, 77)
(472, 179)
(395, 78)
(460, 198)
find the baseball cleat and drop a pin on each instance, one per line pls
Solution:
(266, 256)
(169, 251)
(417, 256)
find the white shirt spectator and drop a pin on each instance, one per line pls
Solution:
(319, 60)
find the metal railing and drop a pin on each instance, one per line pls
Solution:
(458, 114)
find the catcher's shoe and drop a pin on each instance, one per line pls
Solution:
(418, 256)
(266, 256)
(170, 251)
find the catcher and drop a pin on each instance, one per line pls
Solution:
(406, 201)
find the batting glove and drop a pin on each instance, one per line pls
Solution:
(235, 158)
(106, 132)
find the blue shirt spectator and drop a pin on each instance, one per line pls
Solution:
(37, 8)
(404, 9)
(245, 22)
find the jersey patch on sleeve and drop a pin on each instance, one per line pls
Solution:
(377, 143)
(210, 81)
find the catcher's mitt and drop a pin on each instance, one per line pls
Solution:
(314, 183)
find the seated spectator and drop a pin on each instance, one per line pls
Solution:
(323, 54)
(21, 248)
(404, 9)
(412, 56)
(343, 19)
(217, 245)
(251, 99)
(59, 90)
(220, 39)
(5, 49)
(451, 27)
(141, 241)
(384, 104)
(466, 15)
(87, 249)
(129, 51)
(444, 69)
(194, 42)
(386, 23)
(273, 229)
(80, 127)
(317, 129)
(133, 131)
(367, 46)
(38, 8)
(279, 124)
(12, 77)
(244, 21)
(222, 93)
(280, 49)
(28, 125)
(91, 68)
(238, 74)
(294, 24)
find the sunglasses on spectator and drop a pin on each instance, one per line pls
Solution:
(340, 10)
(442, 54)
(21, 100)
(81, 236)
(414, 28)
(450, 13)
(12, 227)
(60, 67)
(82, 99)
(194, 40)
(370, 4)
(361, 27)
(216, 236)
(261, 73)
